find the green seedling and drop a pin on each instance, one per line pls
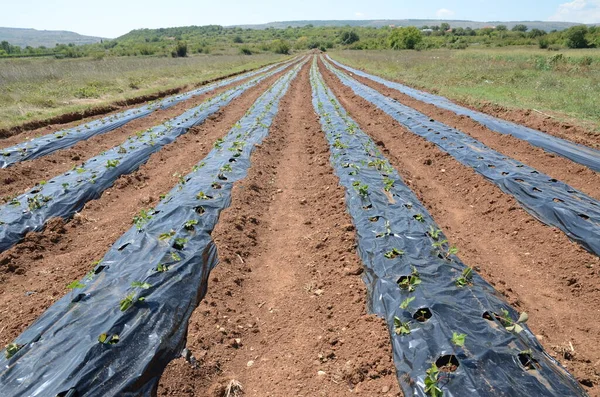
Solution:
(65, 186)
(179, 243)
(104, 339)
(432, 382)
(419, 218)
(388, 184)
(112, 163)
(226, 168)
(401, 328)
(434, 233)
(511, 325)
(42, 183)
(139, 284)
(410, 282)
(122, 150)
(339, 144)
(167, 235)
(127, 302)
(458, 339)
(189, 225)
(162, 268)
(406, 302)
(219, 143)
(440, 245)
(363, 190)
(80, 170)
(175, 256)
(76, 284)
(12, 349)
(394, 252)
(142, 218)
(466, 278)
(37, 201)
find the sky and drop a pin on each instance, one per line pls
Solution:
(112, 18)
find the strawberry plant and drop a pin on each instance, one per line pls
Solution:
(393, 253)
(175, 256)
(419, 218)
(406, 302)
(431, 382)
(166, 235)
(189, 225)
(202, 196)
(434, 233)
(126, 302)
(142, 218)
(75, 284)
(179, 243)
(458, 339)
(388, 184)
(401, 328)
(112, 163)
(162, 268)
(140, 284)
(410, 282)
(466, 278)
(12, 349)
(104, 339)
(510, 324)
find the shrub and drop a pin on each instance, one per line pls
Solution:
(281, 47)
(575, 37)
(245, 51)
(180, 50)
(404, 38)
(238, 39)
(347, 38)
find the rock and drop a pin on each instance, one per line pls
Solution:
(250, 363)
(321, 373)
(385, 389)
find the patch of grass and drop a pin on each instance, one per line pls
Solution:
(565, 84)
(39, 88)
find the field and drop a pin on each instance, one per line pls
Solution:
(35, 89)
(306, 229)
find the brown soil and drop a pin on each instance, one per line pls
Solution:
(23, 176)
(527, 117)
(60, 121)
(35, 272)
(536, 267)
(285, 310)
(558, 167)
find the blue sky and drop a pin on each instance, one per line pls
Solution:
(111, 18)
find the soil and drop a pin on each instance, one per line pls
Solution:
(536, 267)
(285, 312)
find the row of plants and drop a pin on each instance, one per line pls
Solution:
(121, 325)
(547, 199)
(65, 194)
(451, 332)
(46, 144)
(578, 153)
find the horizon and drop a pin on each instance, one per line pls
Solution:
(114, 18)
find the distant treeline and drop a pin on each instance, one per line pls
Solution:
(182, 41)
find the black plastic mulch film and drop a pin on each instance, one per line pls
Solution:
(123, 323)
(67, 193)
(41, 146)
(408, 263)
(549, 200)
(578, 153)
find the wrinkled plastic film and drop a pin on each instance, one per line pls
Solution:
(90, 344)
(395, 236)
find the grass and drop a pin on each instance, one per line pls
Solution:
(565, 84)
(34, 89)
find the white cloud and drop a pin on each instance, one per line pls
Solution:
(584, 11)
(444, 13)
(359, 14)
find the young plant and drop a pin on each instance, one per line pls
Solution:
(189, 225)
(466, 278)
(75, 284)
(440, 245)
(226, 168)
(432, 379)
(65, 186)
(112, 163)
(419, 218)
(179, 243)
(434, 233)
(127, 302)
(388, 184)
(12, 349)
(458, 339)
(142, 218)
(511, 325)
(401, 328)
(167, 235)
(175, 256)
(162, 268)
(393, 253)
(104, 339)
(139, 284)
(406, 302)
(202, 196)
(410, 282)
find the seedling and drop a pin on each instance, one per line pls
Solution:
(80, 170)
(42, 183)
(37, 201)
(12, 349)
(401, 328)
(511, 325)
(142, 218)
(431, 382)
(179, 243)
(527, 360)
(394, 252)
(162, 268)
(127, 302)
(362, 189)
(113, 340)
(122, 150)
(440, 245)
(139, 284)
(406, 302)
(167, 235)
(175, 256)
(65, 186)
(189, 225)
(410, 282)
(339, 144)
(466, 278)
(458, 339)
(75, 284)
(419, 218)
(226, 168)
(180, 178)
(219, 143)
(434, 233)
(388, 184)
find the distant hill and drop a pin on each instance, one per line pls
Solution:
(544, 25)
(48, 38)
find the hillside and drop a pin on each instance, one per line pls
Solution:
(48, 38)
(543, 25)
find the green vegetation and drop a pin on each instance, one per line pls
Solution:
(563, 84)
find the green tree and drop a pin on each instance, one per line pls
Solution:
(238, 39)
(444, 27)
(533, 33)
(349, 37)
(404, 38)
(575, 37)
(280, 47)
(519, 28)
(501, 28)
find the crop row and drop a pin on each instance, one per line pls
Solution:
(451, 332)
(44, 145)
(67, 193)
(123, 323)
(549, 200)
(578, 153)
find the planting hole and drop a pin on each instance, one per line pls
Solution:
(504, 173)
(367, 207)
(422, 315)
(535, 189)
(584, 216)
(121, 248)
(216, 185)
(557, 200)
(99, 269)
(78, 298)
(200, 210)
(491, 166)
(552, 180)
(232, 160)
(68, 393)
(519, 180)
(374, 218)
(221, 177)
(534, 172)
(447, 363)
(480, 158)
(527, 361)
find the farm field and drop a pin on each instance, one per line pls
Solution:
(305, 230)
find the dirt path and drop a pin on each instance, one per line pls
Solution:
(536, 267)
(34, 273)
(285, 310)
(23, 176)
(576, 175)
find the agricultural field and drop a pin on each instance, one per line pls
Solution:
(323, 224)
